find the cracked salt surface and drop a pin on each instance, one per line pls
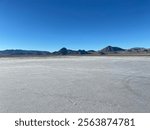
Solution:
(75, 84)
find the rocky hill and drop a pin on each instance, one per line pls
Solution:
(65, 51)
(110, 49)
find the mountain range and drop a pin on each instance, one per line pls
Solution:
(109, 50)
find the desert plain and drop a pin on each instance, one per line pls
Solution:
(79, 84)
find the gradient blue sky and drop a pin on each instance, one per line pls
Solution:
(75, 24)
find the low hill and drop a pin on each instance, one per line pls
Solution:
(24, 53)
(138, 49)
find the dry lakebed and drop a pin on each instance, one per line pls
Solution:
(75, 84)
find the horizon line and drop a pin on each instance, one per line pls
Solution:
(68, 49)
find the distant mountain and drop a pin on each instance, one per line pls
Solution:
(138, 49)
(62, 51)
(24, 53)
(91, 51)
(65, 51)
(110, 49)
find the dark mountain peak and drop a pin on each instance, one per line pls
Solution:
(111, 49)
(63, 51)
(109, 46)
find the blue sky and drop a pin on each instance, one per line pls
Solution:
(75, 24)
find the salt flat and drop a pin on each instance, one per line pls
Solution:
(75, 84)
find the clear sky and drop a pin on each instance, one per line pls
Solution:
(75, 24)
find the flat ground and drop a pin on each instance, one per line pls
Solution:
(75, 84)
